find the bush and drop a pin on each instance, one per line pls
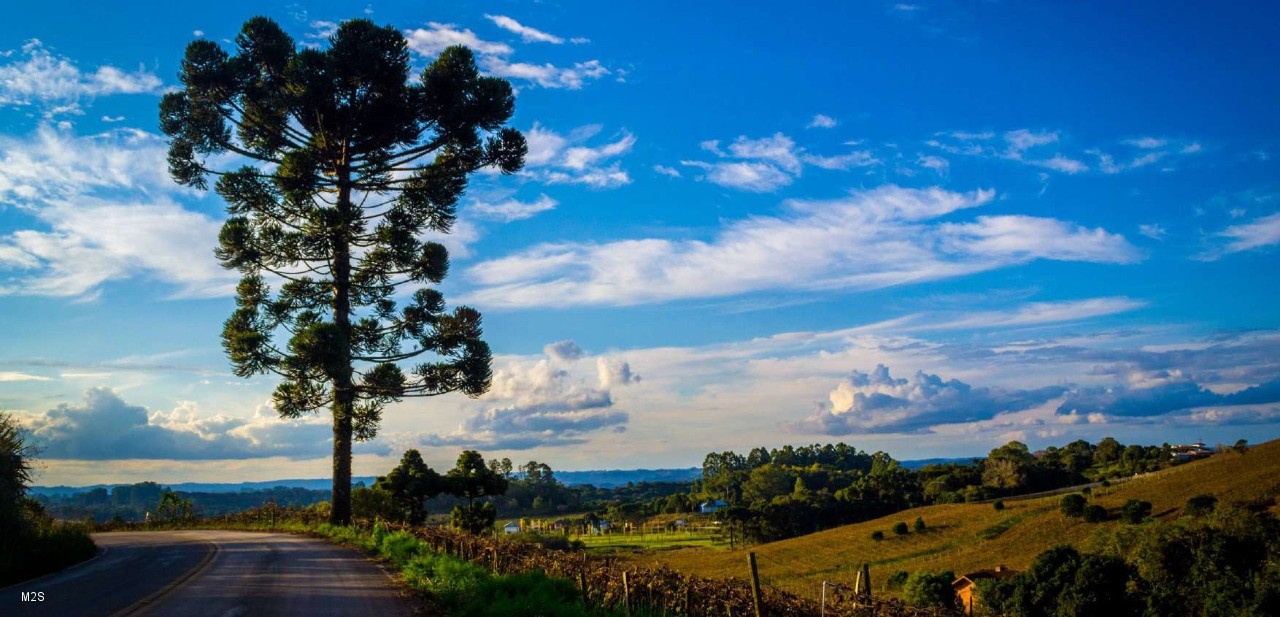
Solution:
(900, 529)
(1095, 513)
(897, 579)
(1135, 511)
(1200, 505)
(929, 589)
(919, 525)
(877, 535)
(1072, 505)
(998, 505)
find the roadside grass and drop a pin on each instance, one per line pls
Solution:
(463, 588)
(41, 547)
(969, 537)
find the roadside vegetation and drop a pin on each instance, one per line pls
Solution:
(31, 542)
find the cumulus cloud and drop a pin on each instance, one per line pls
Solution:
(868, 240)
(105, 427)
(876, 402)
(569, 159)
(542, 403)
(821, 121)
(564, 351)
(37, 77)
(436, 37)
(1174, 392)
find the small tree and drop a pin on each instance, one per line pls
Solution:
(471, 479)
(410, 485)
(1072, 505)
(877, 535)
(1200, 505)
(349, 165)
(930, 589)
(919, 524)
(1242, 446)
(1135, 511)
(173, 508)
(900, 529)
(15, 473)
(1095, 513)
(998, 505)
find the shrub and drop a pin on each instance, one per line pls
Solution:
(1095, 513)
(877, 535)
(998, 505)
(1201, 505)
(929, 589)
(897, 579)
(1135, 511)
(919, 524)
(1072, 505)
(900, 529)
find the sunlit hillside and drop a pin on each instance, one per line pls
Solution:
(967, 537)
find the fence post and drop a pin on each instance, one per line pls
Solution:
(626, 593)
(755, 583)
(857, 586)
(866, 577)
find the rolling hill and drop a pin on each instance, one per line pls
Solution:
(968, 537)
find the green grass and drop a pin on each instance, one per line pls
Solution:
(41, 547)
(652, 541)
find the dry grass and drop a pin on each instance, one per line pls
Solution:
(967, 537)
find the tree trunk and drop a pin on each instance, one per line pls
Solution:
(343, 389)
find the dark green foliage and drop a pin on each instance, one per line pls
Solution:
(877, 535)
(998, 505)
(1072, 505)
(350, 163)
(370, 503)
(1094, 513)
(1200, 505)
(1135, 511)
(1241, 446)
(900, 529)
(919, 524)
(929, 589)
(472, 479)
(410, 485)
(1061, 581)
(174, 508)
(896, 580)
(31, 543)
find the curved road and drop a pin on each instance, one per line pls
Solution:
(222, 573)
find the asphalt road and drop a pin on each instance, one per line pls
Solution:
(222, 573)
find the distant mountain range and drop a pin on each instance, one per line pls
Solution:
(604, 478)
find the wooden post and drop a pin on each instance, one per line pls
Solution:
(582, 585)
(626, 593)
(755, 583)
(866, 577)
(686, 599)
(857, 585)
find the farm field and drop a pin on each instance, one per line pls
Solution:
(968, 537)
(703, 538)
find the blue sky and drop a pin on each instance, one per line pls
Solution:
(927, 228)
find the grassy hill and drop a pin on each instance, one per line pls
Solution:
(968, 537)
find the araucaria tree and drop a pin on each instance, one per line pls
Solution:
(348, 166)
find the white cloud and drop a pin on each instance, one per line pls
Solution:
(512, 209)
(1153, 231)
(667, 171)
(197, 33)
(936, 163)
(11, 376)
(39, 78)
(1261, 232)
(570, 159)
(527, 34)
(748, 176)
(1061, 163)
(1021, 140)
(859, 158)
(869, 240)
(322, 30)
(821, 121)
(433, 39)
(778, 149)
(105, 201)
(547, 75)
(1147, 143)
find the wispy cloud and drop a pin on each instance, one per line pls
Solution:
(821, 121)
(1259, 233)
(558, 158)
(37, 77)
(869, 240)
(495, 56)
(513, 210)
(527, 34)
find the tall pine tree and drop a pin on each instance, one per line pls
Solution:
(347, 166)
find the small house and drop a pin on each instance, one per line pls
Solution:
(512, 527)
(966, 587)
(1189, 452)
(710, 507)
